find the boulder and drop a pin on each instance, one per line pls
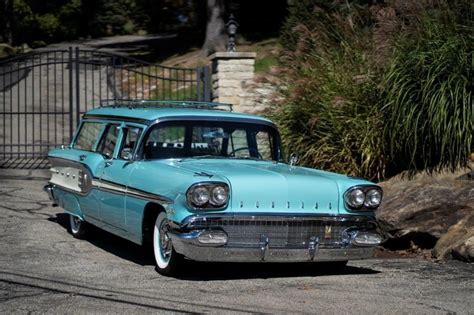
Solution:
(458, 241)
(6, 50)
(430, 211)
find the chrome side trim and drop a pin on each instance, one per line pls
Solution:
(124, 190)
(87, 182)
(72, 176)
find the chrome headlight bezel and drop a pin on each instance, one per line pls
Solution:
(212, 203)
(366, 205)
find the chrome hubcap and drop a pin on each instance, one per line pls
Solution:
(165, 242)
(76, 223)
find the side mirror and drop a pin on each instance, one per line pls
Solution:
(293, 159)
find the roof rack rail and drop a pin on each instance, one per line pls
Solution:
(141, 103)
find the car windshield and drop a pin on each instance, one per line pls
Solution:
(212, 139)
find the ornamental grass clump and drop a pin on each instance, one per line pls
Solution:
(376, 90)
(427, 93)
(329, 114)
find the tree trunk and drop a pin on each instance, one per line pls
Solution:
(215, 29)
(6, 11)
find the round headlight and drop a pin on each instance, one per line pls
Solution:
(355, 198)
(218, 196)
(373, 198)
(200, 196)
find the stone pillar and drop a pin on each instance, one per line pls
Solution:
(231, 73)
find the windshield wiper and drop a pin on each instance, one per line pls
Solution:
(208, 156)
(246, 158)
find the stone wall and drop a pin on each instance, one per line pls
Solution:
(234, 82)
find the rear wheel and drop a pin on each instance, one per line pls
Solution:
(166, 258)
(78, 227)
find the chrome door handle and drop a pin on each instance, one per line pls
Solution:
(108, 163)
(82, 157)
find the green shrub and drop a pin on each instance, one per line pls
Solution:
(428, 95)
(329, 114)
(377, 90)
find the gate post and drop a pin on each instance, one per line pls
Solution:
(71, 96)
(231, 71)
(78, 104)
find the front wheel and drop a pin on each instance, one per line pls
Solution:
(77, 226)
(166, 258)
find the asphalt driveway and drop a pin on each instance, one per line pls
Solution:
(44, 269)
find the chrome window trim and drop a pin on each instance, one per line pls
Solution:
(117, 118)
(153, 123)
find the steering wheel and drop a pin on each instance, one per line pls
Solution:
(246, 148)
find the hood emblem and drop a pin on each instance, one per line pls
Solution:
(327, 232)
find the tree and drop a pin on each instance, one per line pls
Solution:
(6, 9)
(215, 29)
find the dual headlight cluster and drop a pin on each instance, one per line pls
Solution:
(364, 197)
(208, 195)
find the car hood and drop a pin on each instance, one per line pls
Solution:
(259, 186)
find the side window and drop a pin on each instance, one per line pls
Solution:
(109, 140)
(87, 136)
(130, 137)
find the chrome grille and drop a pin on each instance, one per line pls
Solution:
(287, 233)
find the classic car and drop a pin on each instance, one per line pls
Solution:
(197, 181)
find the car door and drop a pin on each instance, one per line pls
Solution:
(117, 147)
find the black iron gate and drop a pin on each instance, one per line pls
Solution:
(44, 93)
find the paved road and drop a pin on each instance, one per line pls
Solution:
(44, 269)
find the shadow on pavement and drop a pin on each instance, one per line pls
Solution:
(113, 244)
(199, 271)
(25, 163)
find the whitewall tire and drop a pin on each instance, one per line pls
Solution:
(77, 226)
(166, 258)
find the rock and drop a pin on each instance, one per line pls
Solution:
(458, 242)
(465, 251)
(430, 211)
(6, 50)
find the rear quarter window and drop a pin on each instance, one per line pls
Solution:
(88, 135)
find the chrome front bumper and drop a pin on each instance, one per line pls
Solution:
(274, 238)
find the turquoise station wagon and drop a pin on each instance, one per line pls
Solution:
(202, 183)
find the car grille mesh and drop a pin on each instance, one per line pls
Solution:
(285, 233)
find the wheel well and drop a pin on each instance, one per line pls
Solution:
(149, 217)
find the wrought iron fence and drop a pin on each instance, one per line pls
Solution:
(44, 93)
